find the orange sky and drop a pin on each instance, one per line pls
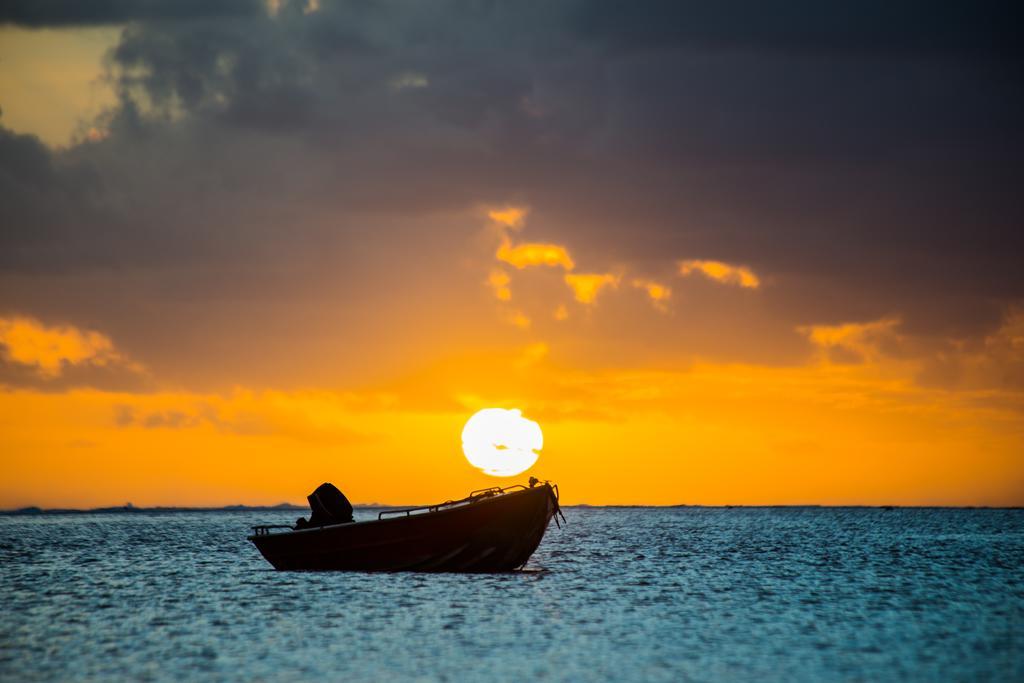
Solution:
(847, 425)
(211, 295)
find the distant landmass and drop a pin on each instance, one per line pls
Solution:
(33, 510)
(130, 508)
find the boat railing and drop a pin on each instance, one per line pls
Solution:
(473, 497)
(264, 529)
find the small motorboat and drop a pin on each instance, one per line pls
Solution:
(491, 530)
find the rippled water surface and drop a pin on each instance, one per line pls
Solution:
(619, 594)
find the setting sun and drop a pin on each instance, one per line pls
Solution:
(501, 443)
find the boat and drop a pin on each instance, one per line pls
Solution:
(491, 530)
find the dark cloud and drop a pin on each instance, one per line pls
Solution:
(52, 204)
(169, 419)
(41, 13)
(872, 27)
(864, 159)
(107, 378)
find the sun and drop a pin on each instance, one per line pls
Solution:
(501, 443)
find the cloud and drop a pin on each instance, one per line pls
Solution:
(498, 280)
(293, 175)
(516, 318)
(854, 341)
(326, 417)
(849, 334)
(530, 254)
(996, 364)
(658, 293)
(721, 272)
(99, 12)
(512, 217)
(127, 416)
(95, 134)
(586, 286)
(993, 365)
(873, 27)
(50, 349)
(525, 254)
(409, 80)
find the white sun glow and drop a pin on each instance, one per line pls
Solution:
(501, 443)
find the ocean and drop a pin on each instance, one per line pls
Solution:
(618, 594)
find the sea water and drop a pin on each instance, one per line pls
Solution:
(624, 594)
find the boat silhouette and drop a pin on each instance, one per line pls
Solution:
(491, 530)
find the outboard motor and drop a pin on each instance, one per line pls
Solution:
(328, 506)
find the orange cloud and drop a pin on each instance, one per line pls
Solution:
(658, 293)
(721, 272)
(530, 254)
(511, 217)
(499, 281)
(561, 313)
(586, 286)
(853, 341)
(518, 319)
(29, 342)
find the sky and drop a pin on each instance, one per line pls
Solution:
(726, 253)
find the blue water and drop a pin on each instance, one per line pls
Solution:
(619, 594)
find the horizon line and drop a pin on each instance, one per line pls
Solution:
(30, 510)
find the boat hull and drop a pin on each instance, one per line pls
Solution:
(489, 535)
